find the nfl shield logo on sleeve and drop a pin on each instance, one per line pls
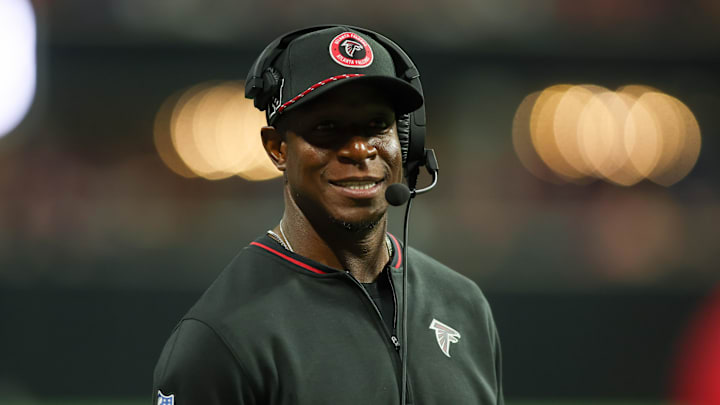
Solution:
(165, 399)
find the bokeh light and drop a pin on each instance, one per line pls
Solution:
(523, 144)
(584, 132)
(17, 62)
(565, 126)
(542, 132)
(600, 135)
(687, 150)
(163, 138)
(212, 131)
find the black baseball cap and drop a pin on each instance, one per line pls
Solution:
(318, 61)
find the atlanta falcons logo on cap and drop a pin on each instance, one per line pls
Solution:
(444, 335)
(351, 46)
(351, 50)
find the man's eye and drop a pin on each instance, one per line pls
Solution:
(325, 126)
(379, 124)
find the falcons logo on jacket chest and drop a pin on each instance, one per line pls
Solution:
(444, 335)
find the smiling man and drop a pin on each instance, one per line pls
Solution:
(308, 313)
(338, 153)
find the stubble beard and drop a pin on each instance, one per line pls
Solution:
(355, 227)
(358, 227)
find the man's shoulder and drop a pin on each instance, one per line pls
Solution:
(440, 278)
(242, 282)
(431, 267)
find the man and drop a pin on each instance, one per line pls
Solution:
(308, 313)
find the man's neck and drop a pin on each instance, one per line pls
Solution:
(363, 253)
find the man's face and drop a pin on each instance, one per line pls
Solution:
(342, 153)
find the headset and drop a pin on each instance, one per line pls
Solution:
(263, 82)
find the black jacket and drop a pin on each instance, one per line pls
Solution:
(278, 328)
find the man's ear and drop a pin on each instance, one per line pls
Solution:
(275, 146)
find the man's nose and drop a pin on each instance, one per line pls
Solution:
(357, 149)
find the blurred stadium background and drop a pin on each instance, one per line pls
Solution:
(578, 149)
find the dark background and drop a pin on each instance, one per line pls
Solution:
(593, 287)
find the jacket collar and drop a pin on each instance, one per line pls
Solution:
(269, 246)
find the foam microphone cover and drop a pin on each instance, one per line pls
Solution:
(397, 194)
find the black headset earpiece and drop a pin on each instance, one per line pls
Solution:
(416, 152)
(271, 80)
(403, 131)
(255, 83)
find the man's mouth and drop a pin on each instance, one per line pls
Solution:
(357, 185)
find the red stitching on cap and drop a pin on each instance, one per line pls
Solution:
(315, 86)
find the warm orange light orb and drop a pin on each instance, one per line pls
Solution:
(214, 132)
(585, 132)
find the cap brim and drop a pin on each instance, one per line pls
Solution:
(402, 95)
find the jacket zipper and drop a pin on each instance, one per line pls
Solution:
(393, 336)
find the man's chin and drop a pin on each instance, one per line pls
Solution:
(358, 226)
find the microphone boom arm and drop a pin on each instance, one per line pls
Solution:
(432, 167)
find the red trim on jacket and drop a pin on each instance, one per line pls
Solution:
(305, 266)
(398, 249)
(290, 259)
